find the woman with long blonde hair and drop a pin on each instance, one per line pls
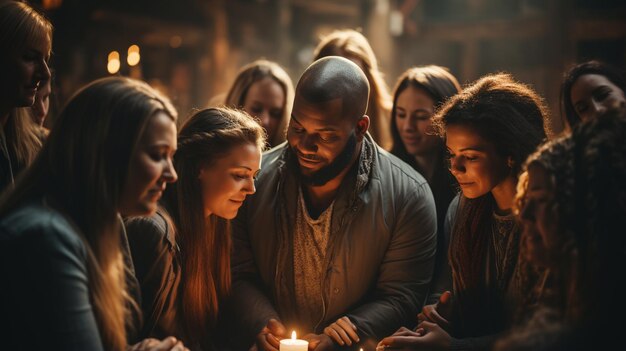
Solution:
(25, 44)
(61, 253)
(264, 90)
(354, 46)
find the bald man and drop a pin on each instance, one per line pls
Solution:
(338, 243)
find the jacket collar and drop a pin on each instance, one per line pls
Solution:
(287, 165)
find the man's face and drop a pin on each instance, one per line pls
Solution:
(323, 141)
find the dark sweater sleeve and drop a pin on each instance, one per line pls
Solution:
(443, 280)
(45, 301)
(153, 258)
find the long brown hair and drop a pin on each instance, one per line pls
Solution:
(205, 242)
(81, 172)
(257, 71)
(21, 24)
(354, 46)
(440, 85)
(512, 117)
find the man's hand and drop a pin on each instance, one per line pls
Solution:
(438, 313)
(343, 331)
(269, 337)
(321, 342)
(428, 336)
(167, 344)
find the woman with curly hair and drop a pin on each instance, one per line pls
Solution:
(490, 128)
(572, 205)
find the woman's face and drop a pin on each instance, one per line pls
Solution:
(265, 100)
(539, 217)
(227, 181)
(151, 167)
(414, 109)
(25, 69)
(474, 161)
(593, 94)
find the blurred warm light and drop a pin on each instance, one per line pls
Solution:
(176, 41)
(113, 66)
(396, 23)
(51, 4)
(133, 57)
(114, 55)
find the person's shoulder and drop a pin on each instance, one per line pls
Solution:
(42, 227)
(152, 228)
(455, 203)
(273, 159)
(273, 155)
(397, 169)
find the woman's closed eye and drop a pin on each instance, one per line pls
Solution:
(297, 130)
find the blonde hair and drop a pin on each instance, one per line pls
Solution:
(257, 71)
(81, 171)
(21, 24)
(353, 45)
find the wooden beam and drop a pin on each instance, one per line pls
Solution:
(319, 7)
(493, 29)
(598, 29)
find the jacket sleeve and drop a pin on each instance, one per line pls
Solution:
(406, 270)
(46, 301)
(443, 281)
(250, 307)
(154, 263)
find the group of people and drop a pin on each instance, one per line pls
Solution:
(434, 217)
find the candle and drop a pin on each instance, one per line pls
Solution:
(294, 344)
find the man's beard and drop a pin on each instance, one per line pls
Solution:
(331, 171)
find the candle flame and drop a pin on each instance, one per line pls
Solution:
(293, 335)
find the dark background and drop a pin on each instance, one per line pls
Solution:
(192, 49)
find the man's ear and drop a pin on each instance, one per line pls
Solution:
(362, 125)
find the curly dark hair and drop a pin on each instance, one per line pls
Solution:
(556, 158)
(599, 218)
(514, 118)
(588, 169)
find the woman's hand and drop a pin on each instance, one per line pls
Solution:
(428, 336)
(167, 344)
(439, 312)
(343, 331)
